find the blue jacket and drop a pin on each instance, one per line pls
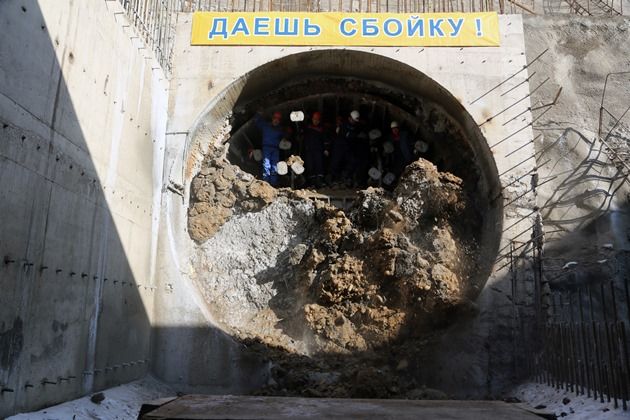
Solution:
(271, 135)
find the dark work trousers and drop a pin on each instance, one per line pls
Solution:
(314, 151)
(339, 158)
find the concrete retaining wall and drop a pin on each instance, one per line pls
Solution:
(82, 119)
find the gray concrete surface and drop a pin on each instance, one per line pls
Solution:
(119, 403)
(82, 118)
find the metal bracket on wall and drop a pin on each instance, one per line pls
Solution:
(175, 188)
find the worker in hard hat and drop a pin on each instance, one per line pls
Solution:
(272, 134)
(342, 164)
(314, 147)
(375, 157)
(360, 159)
(335, 152)
(402, 154)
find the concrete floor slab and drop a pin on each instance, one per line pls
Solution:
(247, 407)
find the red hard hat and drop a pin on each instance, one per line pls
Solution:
(277, 114)
(317, 114)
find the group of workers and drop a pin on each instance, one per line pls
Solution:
(348, 153)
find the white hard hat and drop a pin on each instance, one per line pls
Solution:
(374, 134)
(389, 178)
(297, 168)
(421, 146)
(257, 154)
(296, 116)
(394, 124)
(374, 173)
(355, 115)
(388, 147)
(284, 144)
(282, 168)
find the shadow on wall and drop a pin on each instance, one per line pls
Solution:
(72, 319)
(598, 252)
(205, 359)
(584, 188)
(586, 215)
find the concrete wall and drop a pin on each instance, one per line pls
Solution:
(583, 191)
(207, 82)
(82, 119)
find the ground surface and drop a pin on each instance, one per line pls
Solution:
(566, 404)
(122, 402)
(230, 407)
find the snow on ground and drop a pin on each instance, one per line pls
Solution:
(122, 402)
(577, 407)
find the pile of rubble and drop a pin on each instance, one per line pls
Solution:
(356, 287)
(219, 190)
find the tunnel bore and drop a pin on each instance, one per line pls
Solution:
(329, 295)
(425, 124)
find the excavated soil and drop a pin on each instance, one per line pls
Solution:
(343, 304)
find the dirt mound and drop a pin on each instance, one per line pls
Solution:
(366, 374)
(220, 190)
(361, 284)
(394, 265)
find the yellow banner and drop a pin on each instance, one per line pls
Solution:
(346, 29)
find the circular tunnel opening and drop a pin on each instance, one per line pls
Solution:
(376, 156)
(316, 288)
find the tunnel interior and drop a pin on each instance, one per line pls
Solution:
(431, 133)
(317, 288)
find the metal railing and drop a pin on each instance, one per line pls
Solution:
(366, 6)
(573, 336)
(585, 347)
(582, 7)
(155, 20)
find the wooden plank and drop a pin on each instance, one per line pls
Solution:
(200, 407)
